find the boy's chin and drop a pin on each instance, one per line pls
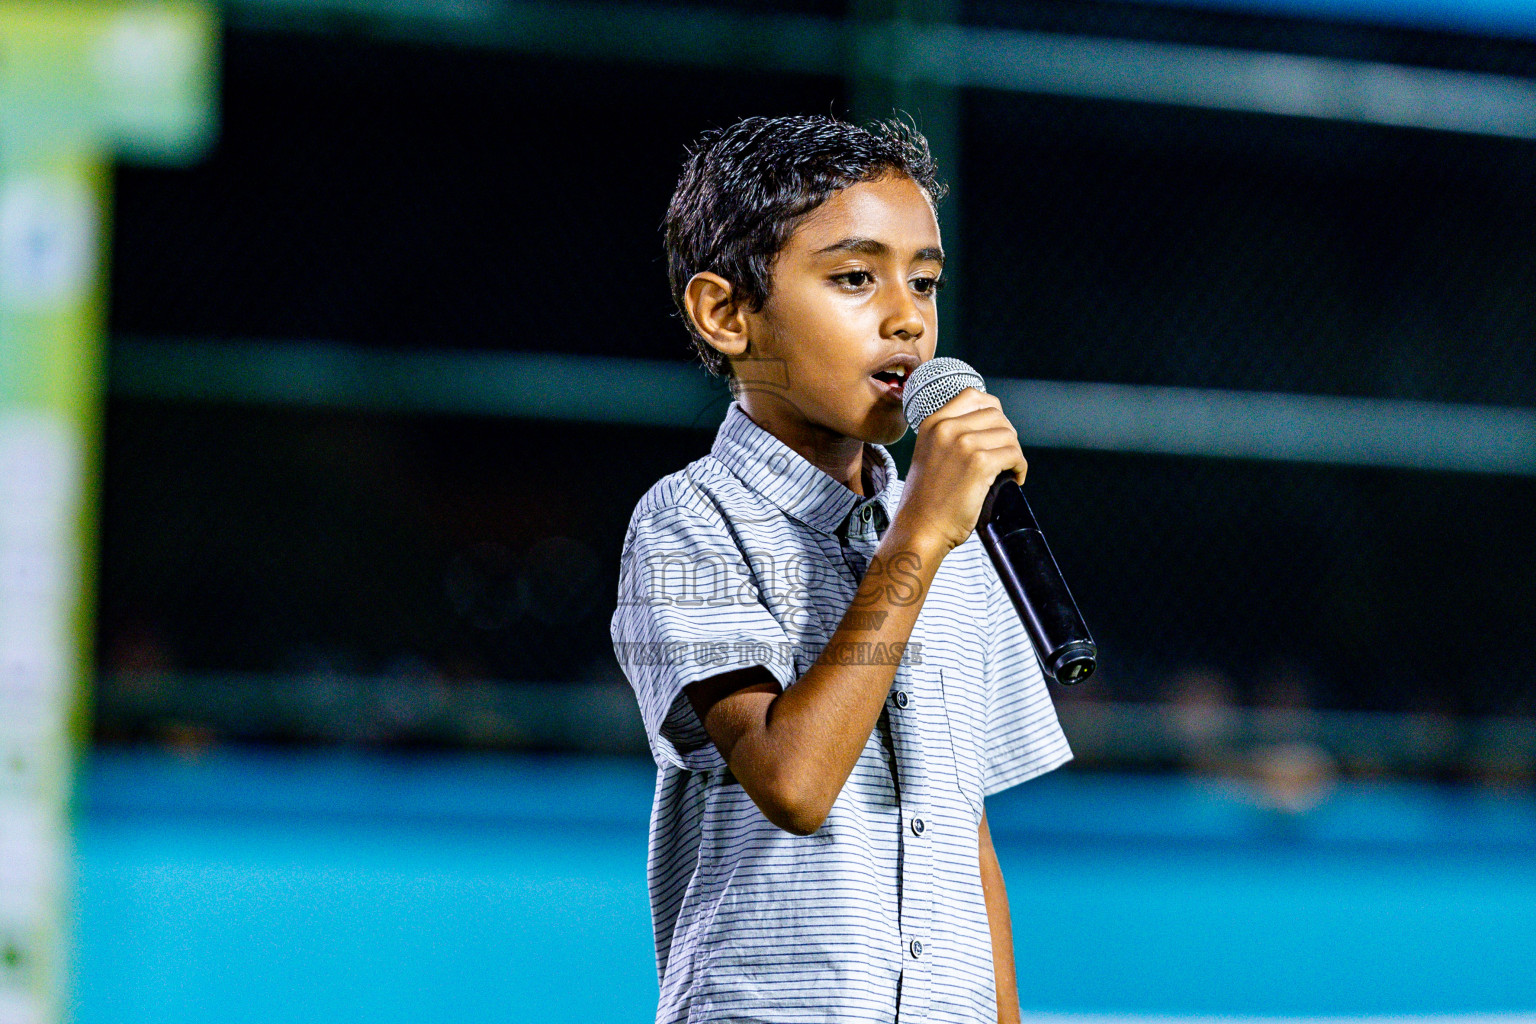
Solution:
(886, 429)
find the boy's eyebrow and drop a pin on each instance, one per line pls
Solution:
(875, 247)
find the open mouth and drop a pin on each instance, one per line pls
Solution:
(891, 380)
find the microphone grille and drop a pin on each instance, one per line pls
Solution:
(931, 386)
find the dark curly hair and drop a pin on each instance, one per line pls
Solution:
(744, 189)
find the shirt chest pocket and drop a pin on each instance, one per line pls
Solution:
(962, 688)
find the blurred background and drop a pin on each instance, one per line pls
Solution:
(387, 369)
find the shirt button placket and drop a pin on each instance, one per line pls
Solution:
(916, 901)
(857, 540)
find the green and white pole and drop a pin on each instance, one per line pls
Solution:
(80, 84)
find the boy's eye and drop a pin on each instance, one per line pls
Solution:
(855, 278)
(928, 285)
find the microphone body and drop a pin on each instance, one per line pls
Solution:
(1033, 580)
(1013, 540)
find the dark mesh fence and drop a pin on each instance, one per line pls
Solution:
(1118, 242)
(446, 579)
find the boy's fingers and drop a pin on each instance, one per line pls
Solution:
(1019, 466)
(997, 437)
(977, 421)
(967, 401)
(1006, 457)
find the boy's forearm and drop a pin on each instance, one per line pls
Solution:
(1000, 924)
(813, 732)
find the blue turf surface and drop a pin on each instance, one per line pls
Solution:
(273, 886)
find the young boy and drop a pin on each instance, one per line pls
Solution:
(830, 672)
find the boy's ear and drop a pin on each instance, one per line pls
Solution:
(710, 301)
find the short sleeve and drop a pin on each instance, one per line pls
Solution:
(1024, 737)
(688, 609)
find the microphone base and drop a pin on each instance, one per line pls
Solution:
(1074, 663)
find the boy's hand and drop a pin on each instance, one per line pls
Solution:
(961, 448)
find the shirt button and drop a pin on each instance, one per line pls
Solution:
(901, 698)
(918, 826)
(917, 949)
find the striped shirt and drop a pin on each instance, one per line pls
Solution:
(751, 556)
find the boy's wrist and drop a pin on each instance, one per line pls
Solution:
(929, 548)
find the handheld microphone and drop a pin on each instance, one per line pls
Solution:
(1013, 539)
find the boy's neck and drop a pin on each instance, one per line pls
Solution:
(851, 470)
(862, 483)
(840, 457)
(858, 477)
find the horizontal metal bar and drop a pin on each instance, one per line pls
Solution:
(950, 55)
(1239, 80)
(1152, 732)
(601, 716)
(1272, 426)
(331, 707)
(1048, 414)
(700, 37)
(1489, 17)
(526, 384)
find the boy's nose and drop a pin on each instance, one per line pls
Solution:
(905, 320)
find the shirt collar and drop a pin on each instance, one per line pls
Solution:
(783, 476)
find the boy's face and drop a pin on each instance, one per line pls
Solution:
(852, 290)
